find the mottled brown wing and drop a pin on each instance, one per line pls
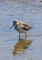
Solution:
(26, 27)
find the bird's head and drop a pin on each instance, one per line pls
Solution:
(14, 23)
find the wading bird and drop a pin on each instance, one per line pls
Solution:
(21, 27)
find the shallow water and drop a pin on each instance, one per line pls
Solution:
(31, 13)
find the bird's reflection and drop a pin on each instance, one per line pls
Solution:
(21, 45)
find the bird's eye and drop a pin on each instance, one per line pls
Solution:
(14, 22)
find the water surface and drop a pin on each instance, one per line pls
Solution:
(31, 13)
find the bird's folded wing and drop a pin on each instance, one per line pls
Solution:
(25, 27)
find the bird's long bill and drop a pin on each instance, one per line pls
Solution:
(11, 27)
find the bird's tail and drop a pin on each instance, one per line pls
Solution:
(30, 27)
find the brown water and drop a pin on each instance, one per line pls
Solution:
(24, 10)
